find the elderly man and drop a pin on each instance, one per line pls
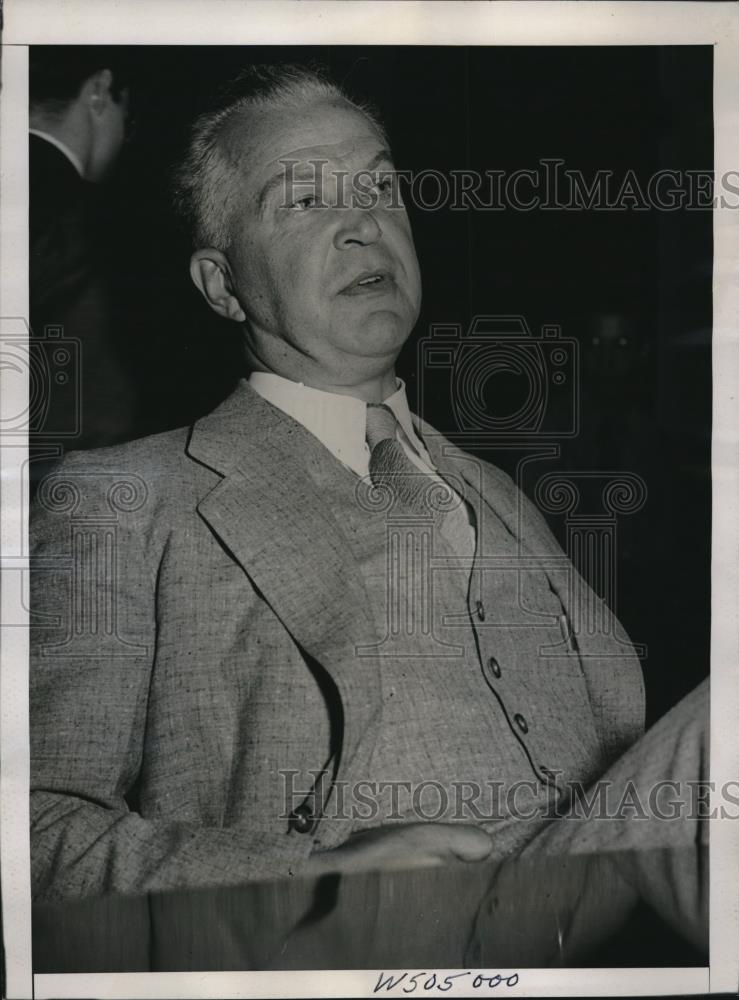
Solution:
(258, 638)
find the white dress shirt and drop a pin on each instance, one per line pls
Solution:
(340, 424)
(62, 147)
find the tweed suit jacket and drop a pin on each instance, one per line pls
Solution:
(195, 613)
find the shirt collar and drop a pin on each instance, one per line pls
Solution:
(62, 147)
(339, 422)
(398, 403)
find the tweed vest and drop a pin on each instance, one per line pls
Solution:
(485, 708)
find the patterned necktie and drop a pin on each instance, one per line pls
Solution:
(416, 492)
(390, 468)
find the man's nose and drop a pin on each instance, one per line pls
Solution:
(357, 227)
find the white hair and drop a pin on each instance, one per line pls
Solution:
(204, 180)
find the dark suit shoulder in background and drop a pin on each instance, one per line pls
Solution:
(70, 291)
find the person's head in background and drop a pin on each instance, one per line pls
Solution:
(322, 277)
(79, 95)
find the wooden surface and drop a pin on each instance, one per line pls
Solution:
(632, 908)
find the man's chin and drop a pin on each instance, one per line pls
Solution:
(380, 334)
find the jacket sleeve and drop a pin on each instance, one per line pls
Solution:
(95, 550)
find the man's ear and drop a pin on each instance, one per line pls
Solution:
(210, 271)
(96, 91)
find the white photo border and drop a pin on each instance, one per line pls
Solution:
(383, 22)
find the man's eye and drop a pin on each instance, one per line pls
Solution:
(309, 201)
(384, 183)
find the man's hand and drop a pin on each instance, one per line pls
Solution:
(411, 845)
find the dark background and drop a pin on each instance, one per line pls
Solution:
(645, 396)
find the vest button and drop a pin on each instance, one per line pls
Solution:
(480, 607)
(521, 722)
(302, 819)
(494, 667)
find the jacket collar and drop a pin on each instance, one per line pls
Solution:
(242, 423)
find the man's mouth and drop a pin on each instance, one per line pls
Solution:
(369, 281)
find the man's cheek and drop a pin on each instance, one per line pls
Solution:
(300, 272)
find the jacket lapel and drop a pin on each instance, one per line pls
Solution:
(537, 542)
(270, 516)
(499, 496)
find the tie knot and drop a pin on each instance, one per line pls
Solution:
(381, 424)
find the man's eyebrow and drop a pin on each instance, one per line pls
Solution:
(275, 181)
(382, 156)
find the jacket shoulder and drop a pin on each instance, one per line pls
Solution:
(138, 477)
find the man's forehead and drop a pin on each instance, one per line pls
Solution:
(354, 151)
(335, 133)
